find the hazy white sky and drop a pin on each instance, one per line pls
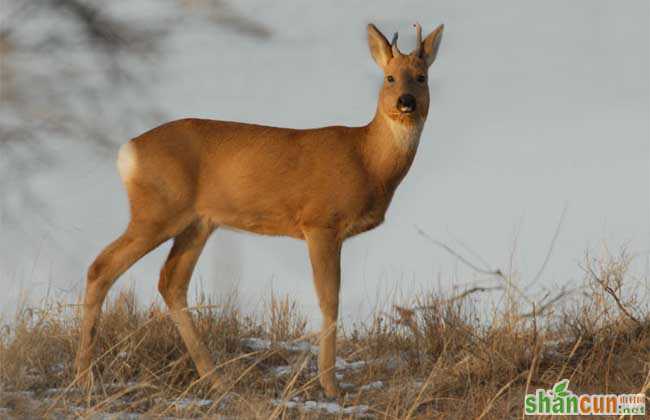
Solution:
(535, 105)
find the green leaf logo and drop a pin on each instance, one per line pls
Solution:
(560, 388)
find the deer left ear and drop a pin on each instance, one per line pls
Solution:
(431, 44)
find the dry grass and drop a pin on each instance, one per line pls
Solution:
(437, 357)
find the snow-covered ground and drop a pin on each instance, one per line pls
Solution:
(344, 370)
(534, 105)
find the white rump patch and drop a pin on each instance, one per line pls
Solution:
(127, 161)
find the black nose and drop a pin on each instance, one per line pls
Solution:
(406, 103)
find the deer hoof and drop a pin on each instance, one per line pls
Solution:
(331, 389)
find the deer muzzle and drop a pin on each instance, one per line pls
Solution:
(406, 103)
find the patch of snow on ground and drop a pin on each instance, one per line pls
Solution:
(346, 386)
(259, 344)
(256, 344)
(323, 407)
(372, 385)
(191, 402)
(342, 364)
(280, 371)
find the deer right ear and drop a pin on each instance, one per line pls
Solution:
(379, 47)
(431, 44)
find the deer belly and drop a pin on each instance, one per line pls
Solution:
(276, 221)
(265, 226)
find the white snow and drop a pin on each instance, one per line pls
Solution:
(342, 364)
(324, 407)
(372, 386)
(192, 402)
(259, 344)
(280, 371)
(256, 344)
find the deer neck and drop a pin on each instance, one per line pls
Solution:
(388, 149)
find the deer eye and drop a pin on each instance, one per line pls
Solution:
(390, 79)
(422, 78)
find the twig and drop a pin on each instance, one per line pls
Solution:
(613, 294)
(544, 307)
(462, 259)
(552, 245)
(471, 291)
(497, 272)
(462, 295)
(466, 247)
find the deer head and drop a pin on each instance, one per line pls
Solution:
(404, 95)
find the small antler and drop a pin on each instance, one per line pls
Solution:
(418, 35)
(393, 44)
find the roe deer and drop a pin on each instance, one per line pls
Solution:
(187, 177)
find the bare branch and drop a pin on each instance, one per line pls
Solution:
(545, 306)
(552, 245)
(613, 294)
(471, 291)
(462, 259)
(541, 306)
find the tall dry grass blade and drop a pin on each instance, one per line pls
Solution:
(496, 396)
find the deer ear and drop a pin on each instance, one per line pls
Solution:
(379, 47)
(431, 44)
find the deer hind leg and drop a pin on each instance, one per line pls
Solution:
(325, 255)
(115, 259)
(174, 281)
